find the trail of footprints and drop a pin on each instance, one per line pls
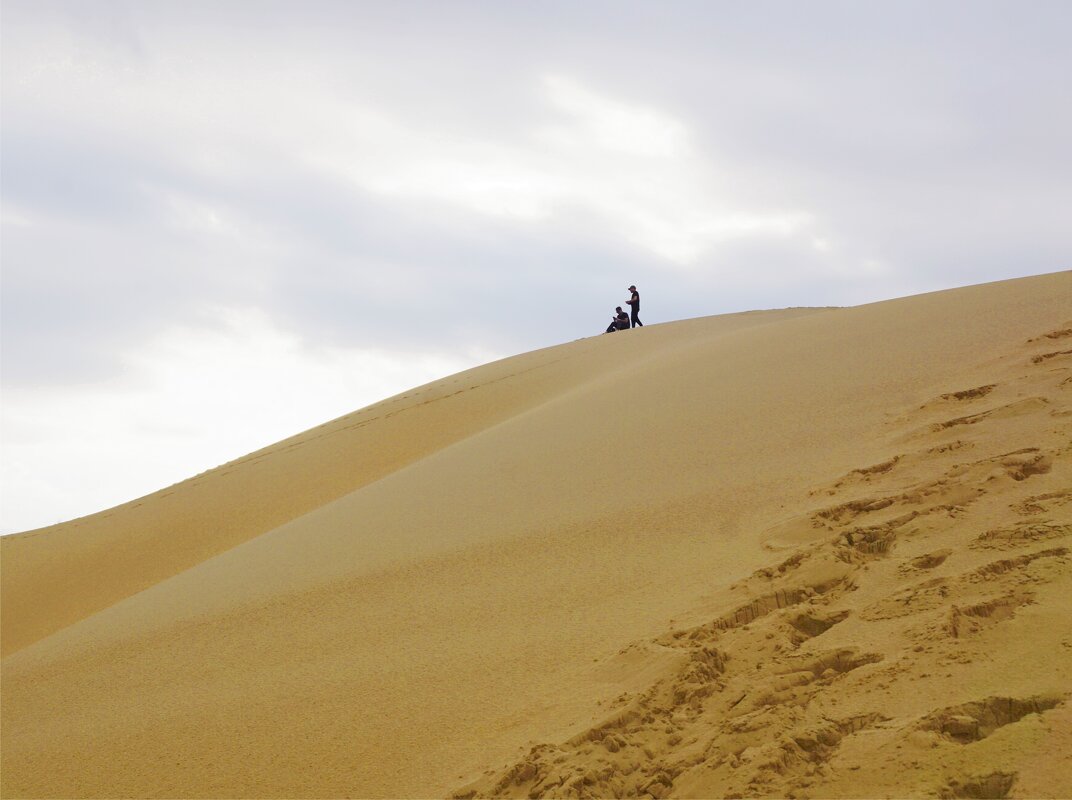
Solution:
(752, 704)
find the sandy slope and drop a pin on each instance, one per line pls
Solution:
(801, 552)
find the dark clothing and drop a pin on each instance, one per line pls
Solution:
(634, 309)
(619, 323)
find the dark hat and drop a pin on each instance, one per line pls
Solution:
(632, 288)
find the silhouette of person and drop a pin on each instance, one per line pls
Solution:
(619, 322)
(634, 308)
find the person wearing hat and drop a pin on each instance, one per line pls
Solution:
(634, 308)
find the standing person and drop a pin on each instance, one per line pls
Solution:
(634, 308)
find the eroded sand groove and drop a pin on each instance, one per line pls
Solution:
(774, 697)
(972, 722)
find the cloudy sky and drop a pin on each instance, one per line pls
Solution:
(225, 222)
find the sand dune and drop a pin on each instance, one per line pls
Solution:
(810, 552)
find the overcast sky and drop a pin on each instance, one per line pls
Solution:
(226, 222)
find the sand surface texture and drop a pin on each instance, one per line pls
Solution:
(809, 552)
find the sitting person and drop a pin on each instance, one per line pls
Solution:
(619, 322)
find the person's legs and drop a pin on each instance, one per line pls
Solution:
(634, 321)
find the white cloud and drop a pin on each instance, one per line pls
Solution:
(608, 125)
(15, 217)
(190, 399)
(630, 168)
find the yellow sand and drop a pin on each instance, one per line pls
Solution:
(809, 552)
